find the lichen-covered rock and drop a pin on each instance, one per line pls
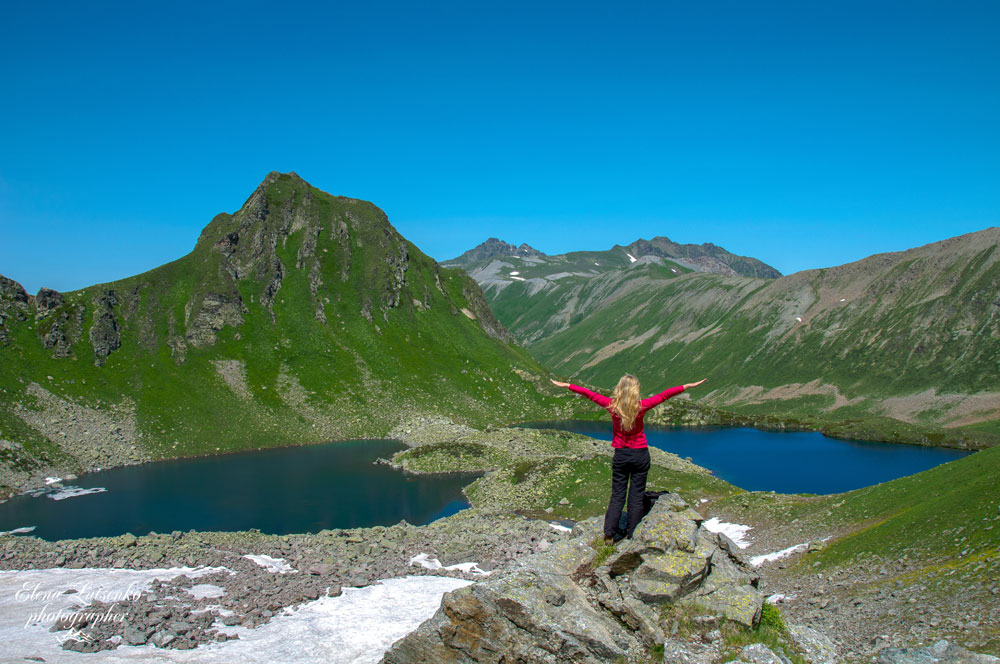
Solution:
(536, 612)
(758, 653)
(818, 647)
(556, 606)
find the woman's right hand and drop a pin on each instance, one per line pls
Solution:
(558, 383)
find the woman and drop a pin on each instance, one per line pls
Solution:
(631, 459)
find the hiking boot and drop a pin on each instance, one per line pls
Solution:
(609, 540)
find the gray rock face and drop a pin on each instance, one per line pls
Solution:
(556, 606)
(758, 653)
(818, 647)
(941, 652)
(47, 300)
(212, 312)
(14, 304)
(672, 558)
(535, 612)
(105, 334)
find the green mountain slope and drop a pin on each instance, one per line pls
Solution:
(911, 335)
(302, 317)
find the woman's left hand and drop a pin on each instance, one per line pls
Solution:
(558, 383)
(688, 386)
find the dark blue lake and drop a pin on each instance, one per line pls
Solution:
(278, 491)
(783, 462)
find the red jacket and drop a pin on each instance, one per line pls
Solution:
(636, 437)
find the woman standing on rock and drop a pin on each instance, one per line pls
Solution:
(631, 459)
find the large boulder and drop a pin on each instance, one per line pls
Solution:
(537, 611)
(560, 605)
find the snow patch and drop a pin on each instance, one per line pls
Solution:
(756, 561)
(271, 564)
(778, 597)
(561, 528)
(798, 318)
(50, 480)
(201, 590)
(62, 493)
(631, 258)
(18, 531)
(514, 272)
(430, 562)
(355, 628)
(518, 278)
(703, 500)
(734, 531)
(784, 553)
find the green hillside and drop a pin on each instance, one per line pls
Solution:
(301, 317)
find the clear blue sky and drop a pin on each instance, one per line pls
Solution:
(805, 134)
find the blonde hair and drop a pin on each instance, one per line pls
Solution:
(625, 400)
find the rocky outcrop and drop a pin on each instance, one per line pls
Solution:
(14, 304)
(105, 334)
(396, 278)
(213, 312)
(560, 605)
(47, 300)
(65, 327)
(483, 313)
(671, 558)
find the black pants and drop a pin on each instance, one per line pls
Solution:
(628, 475)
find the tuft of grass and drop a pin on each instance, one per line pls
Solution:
(604, 550)
(770, 630)
(771, 618)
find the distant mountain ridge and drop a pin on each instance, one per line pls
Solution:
(301, 317)
(705, 257)
(911, 335)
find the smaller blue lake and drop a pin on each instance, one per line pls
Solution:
(784, 462)
(278, 491)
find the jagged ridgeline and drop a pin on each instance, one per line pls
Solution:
(913, 335)
(301, 317)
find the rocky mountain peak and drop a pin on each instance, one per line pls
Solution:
(706, 257)
(494, 247)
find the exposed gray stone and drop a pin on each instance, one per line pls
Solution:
(941, 652)
(105, 334)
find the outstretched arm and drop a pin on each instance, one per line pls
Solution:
(666, 394)
(599, 399)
